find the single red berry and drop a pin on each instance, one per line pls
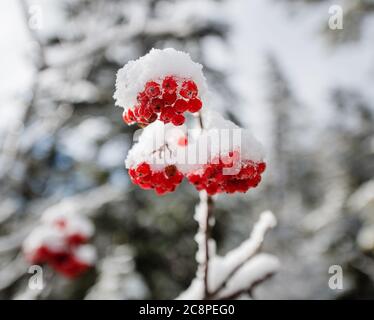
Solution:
(157, 104)
(143, 169)
(148, 113)
(261, 167)
(169, 98)
(169, 85)
(170, 170)
(136, 112)
(142, 98)
(152, 89)
(130, 115)
(178, 119)
(167, 114)
(125, 118)
(141, 111)
(160, 191)
(152, 118)
(189, 89)
(180, 106)
(194, 105)
(76, 239)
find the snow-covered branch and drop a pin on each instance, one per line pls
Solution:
(237, 272)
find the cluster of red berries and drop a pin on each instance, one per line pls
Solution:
(58, 247)
(211, 178)
(214, 180)
(65, 262)
(166, 100)
(162, 182)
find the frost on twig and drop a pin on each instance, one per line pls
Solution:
(236, 273)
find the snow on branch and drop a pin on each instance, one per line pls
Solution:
(237, 272)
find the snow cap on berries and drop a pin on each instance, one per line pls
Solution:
(235, 162)
(157, 64)
(153, 161)
(71, 224)
(43, 237)
(250, 148)
(157, 145)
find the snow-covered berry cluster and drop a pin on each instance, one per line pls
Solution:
(61, 242)
(211, 178)
(156, 91)
(162, 85)
(152, 163)
(164, 99)
(162, 158)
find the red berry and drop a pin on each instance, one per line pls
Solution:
(169, 98)
(157, 104)
(148, 113)
(213, 180)
(130, 115)
(180, 106)
(178, 119)
(136, 112)
(143, 169)
(170, 170)
(261, 167)
(167, 114)
(169, 85)
(76, 239)
(125, 118)
(142, 98)
(194, 105)
(153, 118)
(152, 89)
(161, 181)
(189, 89)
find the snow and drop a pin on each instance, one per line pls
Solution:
(44, 236)
(80, 142)
(256, 269)
(231, 138)
(86, 254)
(154, 137)
(111, 152)
(118, 279)
(155, 65)
(74, 223)
(219, 137)
(17, 70)
(240, 268)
